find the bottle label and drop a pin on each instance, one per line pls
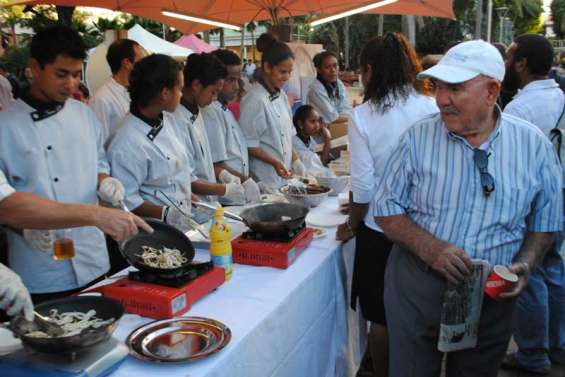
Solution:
(222, 261)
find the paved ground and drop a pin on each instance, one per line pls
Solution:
(556, 371)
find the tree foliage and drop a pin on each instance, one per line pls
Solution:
(558, 15)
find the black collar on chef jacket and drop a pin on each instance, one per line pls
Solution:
(273, 95)
(193, 108)
(223, 103)
(155, 124)
(43, 110)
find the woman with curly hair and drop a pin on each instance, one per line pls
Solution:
(393, 101)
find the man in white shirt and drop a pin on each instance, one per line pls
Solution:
(111, 100)
(539, 329)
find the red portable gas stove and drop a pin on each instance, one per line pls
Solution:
(273, 250)
(158, 297)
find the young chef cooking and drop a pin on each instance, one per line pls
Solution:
(307, 123)
(146, 153)
(267, 121)
(204, 77)
(229, 152)
(327, 93)
(111, 100)
(52, 146)
(394, 100)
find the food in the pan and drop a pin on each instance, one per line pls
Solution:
(72, 323)
(162, 258)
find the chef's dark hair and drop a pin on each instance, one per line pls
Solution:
(395, 66)
(56, 40)
(321, 56)
(206, 68)
(301, 114)
(227, 57)
(273, 50)
(150, 76)
(118, 51)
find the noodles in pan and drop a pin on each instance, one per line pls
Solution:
(162, 258)
(72, 323)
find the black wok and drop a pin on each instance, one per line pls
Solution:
(106, 308)
(274, 218)
(164, 235)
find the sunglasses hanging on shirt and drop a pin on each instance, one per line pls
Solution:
(481, 161)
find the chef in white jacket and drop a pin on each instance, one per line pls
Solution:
(111, 100)
(229, 147)
(147, 154)
(51, 145)
(204, 77)
(267, 121)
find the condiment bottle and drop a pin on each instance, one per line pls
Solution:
(220, 243)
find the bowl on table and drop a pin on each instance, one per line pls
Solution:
(337, 184)
(309, 196)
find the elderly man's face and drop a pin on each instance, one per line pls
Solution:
(465, 107)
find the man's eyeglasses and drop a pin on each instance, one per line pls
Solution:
(481, 160)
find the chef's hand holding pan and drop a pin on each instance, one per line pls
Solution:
(235, 193)
(118, 224)
(14, 297)
(40, 239)
(252, 191)
(111, 191)
(227, 177)
(179, 218)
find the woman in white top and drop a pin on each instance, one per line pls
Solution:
(394, 100)
(146, 153)
(327, 93)
(267, 121)
(307, 123)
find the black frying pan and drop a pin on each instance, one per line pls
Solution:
(106, 308)
(268, 218)
(164, 235)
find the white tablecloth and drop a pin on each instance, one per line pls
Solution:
(293, 322)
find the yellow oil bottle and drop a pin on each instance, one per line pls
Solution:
(220, 243)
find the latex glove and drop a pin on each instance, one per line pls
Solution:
(252, 192)
(298, 168)
(226, 177)
(111, 190)
(14, 296)
(235, 193)
(180, 220)
(40, 239)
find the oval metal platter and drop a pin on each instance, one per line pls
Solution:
(178, 340)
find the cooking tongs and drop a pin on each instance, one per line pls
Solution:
(193, 224)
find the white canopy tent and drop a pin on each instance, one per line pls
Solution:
(97, 69)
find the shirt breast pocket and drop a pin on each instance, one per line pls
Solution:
(516, 204)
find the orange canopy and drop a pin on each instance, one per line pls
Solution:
(239, 12)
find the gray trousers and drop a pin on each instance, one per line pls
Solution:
(413, 299)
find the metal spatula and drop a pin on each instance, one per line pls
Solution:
(47, 325)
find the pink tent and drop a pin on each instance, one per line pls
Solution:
(195, 44)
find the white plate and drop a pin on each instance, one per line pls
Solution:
(325, 220)
(319, 232)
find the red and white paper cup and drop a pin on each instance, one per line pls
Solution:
(499, 280)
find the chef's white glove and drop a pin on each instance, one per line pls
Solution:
(40, 239)
(227, 177)
(252, 191)
(298, 168)
(14, 296)
(111, 190)
(180, 220)
(235, 193)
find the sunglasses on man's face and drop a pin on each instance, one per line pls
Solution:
(481, 161)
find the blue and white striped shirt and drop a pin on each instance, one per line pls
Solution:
(431, 177)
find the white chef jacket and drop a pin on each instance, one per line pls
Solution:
(372, 137)
(226, 138)
(5, 188)
(309, 158)
(540, 102)
(145, 166)
(329, 108)
(111, 104)
(267, 124)
(57, 158)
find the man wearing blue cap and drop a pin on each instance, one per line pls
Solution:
(467, 183)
